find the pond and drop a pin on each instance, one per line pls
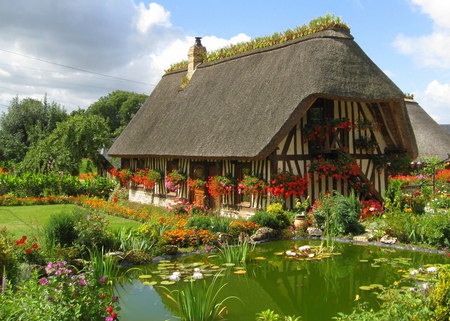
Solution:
(313, 289)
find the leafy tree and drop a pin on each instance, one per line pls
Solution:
(117, 108)
(25, 123)
(81, 136)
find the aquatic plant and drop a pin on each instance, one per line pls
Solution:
(196, 300)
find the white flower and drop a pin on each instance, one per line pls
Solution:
(290, 253)
(432, 269)
(414, 272)
(175, 276)
(197, 275)
(304, 248)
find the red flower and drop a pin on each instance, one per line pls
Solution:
(113, 315)
(28, 251)
(109, 309)
(35, 246)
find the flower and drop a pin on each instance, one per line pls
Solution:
(109, 309)
(220, 185)
(102, 279)
(195, 183)
(147, 177)
(174, 179)
(341, 166)
(285, 184)
(252, 185)
(43, 281)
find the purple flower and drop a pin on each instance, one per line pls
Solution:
(102, 279)
(83, 282)
(43, 281)
(109, 318)
(50, 265)
(50, 298)
(114, 298)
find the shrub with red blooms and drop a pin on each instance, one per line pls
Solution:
(285, 184)
(26, 251)
(370, 208)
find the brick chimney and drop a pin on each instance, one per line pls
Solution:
(196, 55)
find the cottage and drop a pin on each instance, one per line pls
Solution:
(315, 107)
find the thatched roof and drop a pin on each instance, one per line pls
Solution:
(446, 127)
(431, 138)
(242, 107)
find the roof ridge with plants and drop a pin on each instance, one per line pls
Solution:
(329, 21)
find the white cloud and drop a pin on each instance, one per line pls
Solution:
(436, 95)
(155, 15)
(438, 10)
(432, 50)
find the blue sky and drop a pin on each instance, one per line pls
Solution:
(78, 51)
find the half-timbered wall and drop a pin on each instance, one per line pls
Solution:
(294, 154)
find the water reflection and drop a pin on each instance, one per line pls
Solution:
(316, 290)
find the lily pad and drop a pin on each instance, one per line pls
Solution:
(145, 276)
(366, 287)
(167, 282)
(150, 283)
(240, 272)
(229, 264)
(363, 261)
(260, 258)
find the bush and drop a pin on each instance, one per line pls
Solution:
(7, 262)
(266, 219)
(60, 228)
(200, 222)
(346, 214)
(440, 296)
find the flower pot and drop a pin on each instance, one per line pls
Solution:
(301, 222)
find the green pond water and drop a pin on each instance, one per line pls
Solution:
(316, 290)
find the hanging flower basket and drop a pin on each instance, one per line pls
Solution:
(366, 143)
(365, 125)
(147, 177)
(174, 179)
(124, 174)
(220, 185)
(341, 166)
(322, 131)
(252, 185)
(196, 183)
(285, 184)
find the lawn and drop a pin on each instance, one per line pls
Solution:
(30, 220)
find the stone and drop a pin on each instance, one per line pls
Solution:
(314, 231)
(225, 238)
(262, 234)
(388, 239)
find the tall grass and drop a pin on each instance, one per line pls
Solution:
(236, 254)
(197, 300)
(105, 267)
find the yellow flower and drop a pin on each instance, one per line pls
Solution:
(357, 297)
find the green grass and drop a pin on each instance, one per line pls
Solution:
(30, 220)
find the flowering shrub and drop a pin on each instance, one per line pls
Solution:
(195, 183)
(220, 185)
(181, 206)
(285, 184)
(174, 179)
(370, 208)
(64, 294)
(252, 185)
(443, 175)
(28, 252)
(182, 237)
(343, 166)
(242, 227)
(147, 177)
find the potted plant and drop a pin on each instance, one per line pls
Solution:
(252, 185)
(148, 178)
(194, 183)
(285, 184)
(174, 179)
(220, 185)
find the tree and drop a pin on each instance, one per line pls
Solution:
(117, 108)
(81, 136)
(25, 123)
